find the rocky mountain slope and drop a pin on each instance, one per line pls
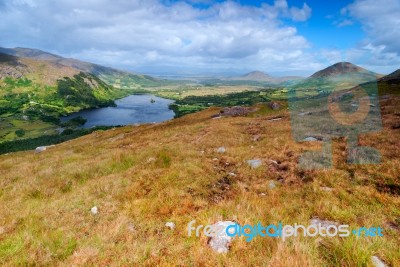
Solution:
(259, 76)
(118, 78)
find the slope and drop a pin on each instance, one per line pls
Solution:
(141, 177)
(117, 78)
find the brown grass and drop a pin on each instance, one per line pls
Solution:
(141, 177)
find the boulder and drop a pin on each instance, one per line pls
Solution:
(94, 210)
(274, 105)
(221, 149)
(254, 163)
(170, 225)
(377, 262)
(235, 111)
(40, 149)
(220, 242)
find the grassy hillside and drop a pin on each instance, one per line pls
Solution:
(114, 77)
(35, 93)
(142, 177)
(35, 109)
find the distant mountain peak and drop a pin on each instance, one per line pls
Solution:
(340, 68)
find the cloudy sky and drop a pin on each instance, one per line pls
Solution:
(209, 37)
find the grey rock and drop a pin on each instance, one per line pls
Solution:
(271, 185)
(324, 223)
(220, 242)
(40, 149)
(377, 262)
(94, 210)
(327, 189)
(274, 105)
(170, 225)
(221, 149)
(254, 163)
(310, 139)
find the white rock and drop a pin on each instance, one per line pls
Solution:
(324, 223)
(131, 227)
(310, 139)
(94, 210)
(327, 189)
(254, 163)
(221, 150)
(151, 159)
(273, 162)
(40, 149)
(170, 225)
(220, 241)
(377, 262)
(271, 185)
(232, 174)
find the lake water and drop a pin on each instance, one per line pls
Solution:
(133, 109)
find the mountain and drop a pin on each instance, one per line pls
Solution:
(393, 77)
(342, 68)
(35, 93)
(259, 76)
(256, 76)
(117, 78)
(38, 71)
(342, 75)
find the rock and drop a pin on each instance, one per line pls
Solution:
(94, 210)
(2, 230)
(257, 138)
(221, 150)
(151, 159)
(324, 223)
(310, 139)
(235, 111)
(327, 189)
(304, 113)
(263, 194)
(40, 149)
(271, 185)
(170, 225)
(274, 105)
(232, 174)
(254, 163)
(131, 227)
(396, 126)
(215, 159)
(275, 119)
(220, 241)
(273, 162)
(377, 262)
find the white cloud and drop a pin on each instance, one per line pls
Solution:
(381, 21)
(149, 34)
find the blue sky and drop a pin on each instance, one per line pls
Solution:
(203, 37)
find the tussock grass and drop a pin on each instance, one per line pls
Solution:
(141, 177)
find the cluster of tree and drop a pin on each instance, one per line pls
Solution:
(46, 140)
(81, 91)
(192, 104)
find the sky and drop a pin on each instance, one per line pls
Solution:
(203, 37)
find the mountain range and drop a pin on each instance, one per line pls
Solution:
(117, 78)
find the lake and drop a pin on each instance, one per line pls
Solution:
(133, 109)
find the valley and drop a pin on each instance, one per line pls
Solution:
(121, 181)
